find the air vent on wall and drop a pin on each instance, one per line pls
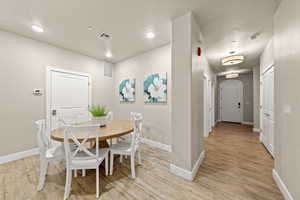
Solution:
(108, 69)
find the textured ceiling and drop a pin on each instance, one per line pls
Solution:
(65, 23)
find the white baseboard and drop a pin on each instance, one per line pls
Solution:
(247, 123)
(287, 195)
(18, 155)
(256, 130)
(188, 175)
(157, 144)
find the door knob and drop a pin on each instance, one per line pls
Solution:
(239, 105)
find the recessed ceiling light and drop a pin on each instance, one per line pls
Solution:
(90, 28)
(37, 28)
(108, 54)
(150, 35)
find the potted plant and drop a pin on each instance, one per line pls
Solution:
(99, 113)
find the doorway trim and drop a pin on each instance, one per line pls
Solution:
(242, 99)
(206, 115)
(50, 69)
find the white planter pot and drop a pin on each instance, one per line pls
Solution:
(101, 120)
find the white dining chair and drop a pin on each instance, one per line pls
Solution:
(109, 116)
(127, 137)
(70, 117)
(82, 157)
(129, 148)
(133, 115)
(47, 151)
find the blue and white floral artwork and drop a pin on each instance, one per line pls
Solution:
(127, 90)
(155, 88)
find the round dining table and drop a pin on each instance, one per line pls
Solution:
(113, 129)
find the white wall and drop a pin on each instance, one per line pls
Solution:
(267, 57)
(200, 67)
(256, 98)
(181, 92)
(23, 65)
(157, 116)
(187, 93)
(287, 95)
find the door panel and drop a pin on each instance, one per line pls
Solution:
(231, 101)
(69, 98)
(206, 109)
(268, 110)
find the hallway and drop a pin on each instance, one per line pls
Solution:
(237, 166)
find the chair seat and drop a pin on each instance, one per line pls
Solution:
(121, 148)
(55, 152)
(84, 163)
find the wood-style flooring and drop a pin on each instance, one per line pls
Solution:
(236, 167)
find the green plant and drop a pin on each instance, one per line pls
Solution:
(98, 110)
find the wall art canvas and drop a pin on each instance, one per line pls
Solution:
(155, 88)
(127, 90)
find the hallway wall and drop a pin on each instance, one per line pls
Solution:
(187, 96)
(287, 95)
(256, 98)
(247, 80)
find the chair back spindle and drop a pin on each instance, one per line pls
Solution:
(42, 139)
(138, 126)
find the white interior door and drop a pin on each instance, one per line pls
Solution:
(69, 97)
(212, 121)
(268, 110)
(206, 107)
(231, 93)
(209, 124)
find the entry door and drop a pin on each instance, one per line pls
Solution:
(231, 92)
(268, 110)
(69, 94)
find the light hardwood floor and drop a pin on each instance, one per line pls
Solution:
(236, 167)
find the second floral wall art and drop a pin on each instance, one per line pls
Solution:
(127, 90)
(155, 88)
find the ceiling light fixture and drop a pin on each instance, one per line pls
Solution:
(232, 60)
(90, 28)
(150, 35)
(232, 75)
(37, 28)
(108, 54)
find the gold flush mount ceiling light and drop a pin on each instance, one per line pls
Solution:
(232, 60)
(232, 75)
